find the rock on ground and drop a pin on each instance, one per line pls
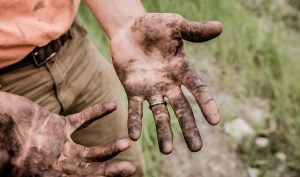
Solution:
(216, 159)
(238, 129)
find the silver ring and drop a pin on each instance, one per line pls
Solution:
(157, 103)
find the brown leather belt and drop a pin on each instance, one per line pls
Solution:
(40, 55)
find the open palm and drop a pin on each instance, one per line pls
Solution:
(149, 59)
(39, 144)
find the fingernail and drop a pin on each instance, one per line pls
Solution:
(134, 134)
(215, 119)
(123, 144)
(218, 26)
(167, 148)
(195, 145)
(110, 106)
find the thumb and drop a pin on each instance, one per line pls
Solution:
(89, 115)
(200, 31)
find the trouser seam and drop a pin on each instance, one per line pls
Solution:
(55, 89)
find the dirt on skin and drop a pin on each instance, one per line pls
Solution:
(218, 158)
(36, 142)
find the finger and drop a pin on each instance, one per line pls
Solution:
(200, 31)
(135, 113)
(121, 168)
(4, 160)
(89, 115)
(64, 175)
(108, 169)
(186, 120)
(163, 127)
(201, 93)
(101, 153)
(51, 173)
(6, 122)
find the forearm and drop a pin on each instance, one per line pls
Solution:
(115, 14)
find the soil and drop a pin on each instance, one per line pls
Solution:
(216, 159)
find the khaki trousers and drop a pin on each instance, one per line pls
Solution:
(78, 77)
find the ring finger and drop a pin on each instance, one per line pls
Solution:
(162, 122)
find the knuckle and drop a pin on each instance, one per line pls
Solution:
(113, 148)
(199, 89)
(162, 121)
(161, 118)
(134, 124)
(207, 101)
(134, 114)
(187, 123)
(181, 111)
(189, 129)
(104, 107)
(85, 153)
(176, 17)
(86, 113)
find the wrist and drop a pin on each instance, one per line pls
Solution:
(114, 15)
(126, 23)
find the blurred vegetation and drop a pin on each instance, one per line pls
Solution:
(258, 54)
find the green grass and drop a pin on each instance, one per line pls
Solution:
(258, 54)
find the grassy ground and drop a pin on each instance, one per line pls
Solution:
(258, 54)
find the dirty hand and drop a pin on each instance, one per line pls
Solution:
(149, 59)
(38, 142)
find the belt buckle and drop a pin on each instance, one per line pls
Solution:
(39, 63)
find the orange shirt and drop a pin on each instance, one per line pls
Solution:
(25, 24)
